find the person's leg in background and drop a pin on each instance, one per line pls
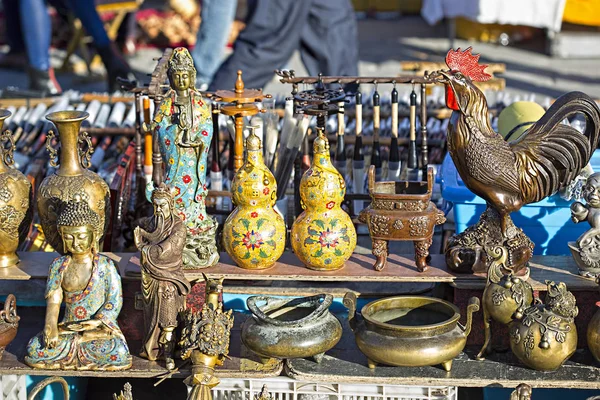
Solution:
(15, 57)
(37, 32)
(329, 40)
(115, 65)
(215, 26)
(267, 43)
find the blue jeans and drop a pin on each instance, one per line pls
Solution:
(217, 16)
(37, 30)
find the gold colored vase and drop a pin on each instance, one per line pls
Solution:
(254, 234)
(323, 236)
(71, 179)
(15, 201)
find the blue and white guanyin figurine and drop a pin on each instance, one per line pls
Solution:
(88, 337)
(183, 124)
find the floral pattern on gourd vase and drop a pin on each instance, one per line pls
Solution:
(323, 236)
(254, 233)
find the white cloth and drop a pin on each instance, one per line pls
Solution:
(536, 13)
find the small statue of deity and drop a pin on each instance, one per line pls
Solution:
(183, 125)
(161, 239)
(586, 250)
(88, 338)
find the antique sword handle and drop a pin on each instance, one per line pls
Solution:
(8, 153)
(51, 150)
(85, 154)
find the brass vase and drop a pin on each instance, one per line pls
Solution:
(593, 334)
(72, 179)
(546, 336)
(15, 201)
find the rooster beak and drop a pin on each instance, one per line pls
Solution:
(439, 77)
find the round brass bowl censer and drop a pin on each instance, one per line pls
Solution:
(291, 328)
(410, 331)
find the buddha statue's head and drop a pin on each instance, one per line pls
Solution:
(181, 71)
(162, 201)
(76, 227)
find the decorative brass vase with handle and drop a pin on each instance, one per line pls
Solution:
(71, 179)
(546, 336)
(15, 201)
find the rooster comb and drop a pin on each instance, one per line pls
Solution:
(467, 63)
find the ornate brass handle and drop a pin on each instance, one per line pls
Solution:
(85, 155)
(53, 152)
(8, 153)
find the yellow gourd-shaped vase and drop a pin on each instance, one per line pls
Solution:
(254, 234)
(323, 236)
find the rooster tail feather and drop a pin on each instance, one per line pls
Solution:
(552, 154)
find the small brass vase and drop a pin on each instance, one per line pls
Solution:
(546, 336)
(505, 298)
(72, 179)
(593, 334)
(15, 201)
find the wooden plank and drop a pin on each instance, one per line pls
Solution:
(242, 363)
(35, 264)
(346, 364)
(336, 289)
(554, 268)
(400, 268)
(359, 268)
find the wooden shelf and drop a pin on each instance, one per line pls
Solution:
(359, 268)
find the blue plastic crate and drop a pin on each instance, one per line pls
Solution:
(548, 222)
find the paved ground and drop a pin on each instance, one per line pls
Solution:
(383, 43)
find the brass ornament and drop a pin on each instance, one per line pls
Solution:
(264, 394)
(401, 211)
(505, 297)
(409, 331)
(9, 322)
(16, 210)
(205, 340)
(546, 336)
(161, 240)
(88, 337)
(522, 392)
(586, 250)
(300, 327)
(126, 393)
(508, 175)
(71, 180)
(46, 382)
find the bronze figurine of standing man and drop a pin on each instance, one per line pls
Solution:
(161, 239)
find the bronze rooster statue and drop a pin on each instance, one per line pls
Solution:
(508, 175)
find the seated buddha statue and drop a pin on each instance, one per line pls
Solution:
(88, 337)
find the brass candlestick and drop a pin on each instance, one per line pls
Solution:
(241, 104)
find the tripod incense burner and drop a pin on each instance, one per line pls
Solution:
(401, 211)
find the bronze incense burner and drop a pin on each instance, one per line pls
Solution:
(401, 211)
(410, 331)
(296, 328)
